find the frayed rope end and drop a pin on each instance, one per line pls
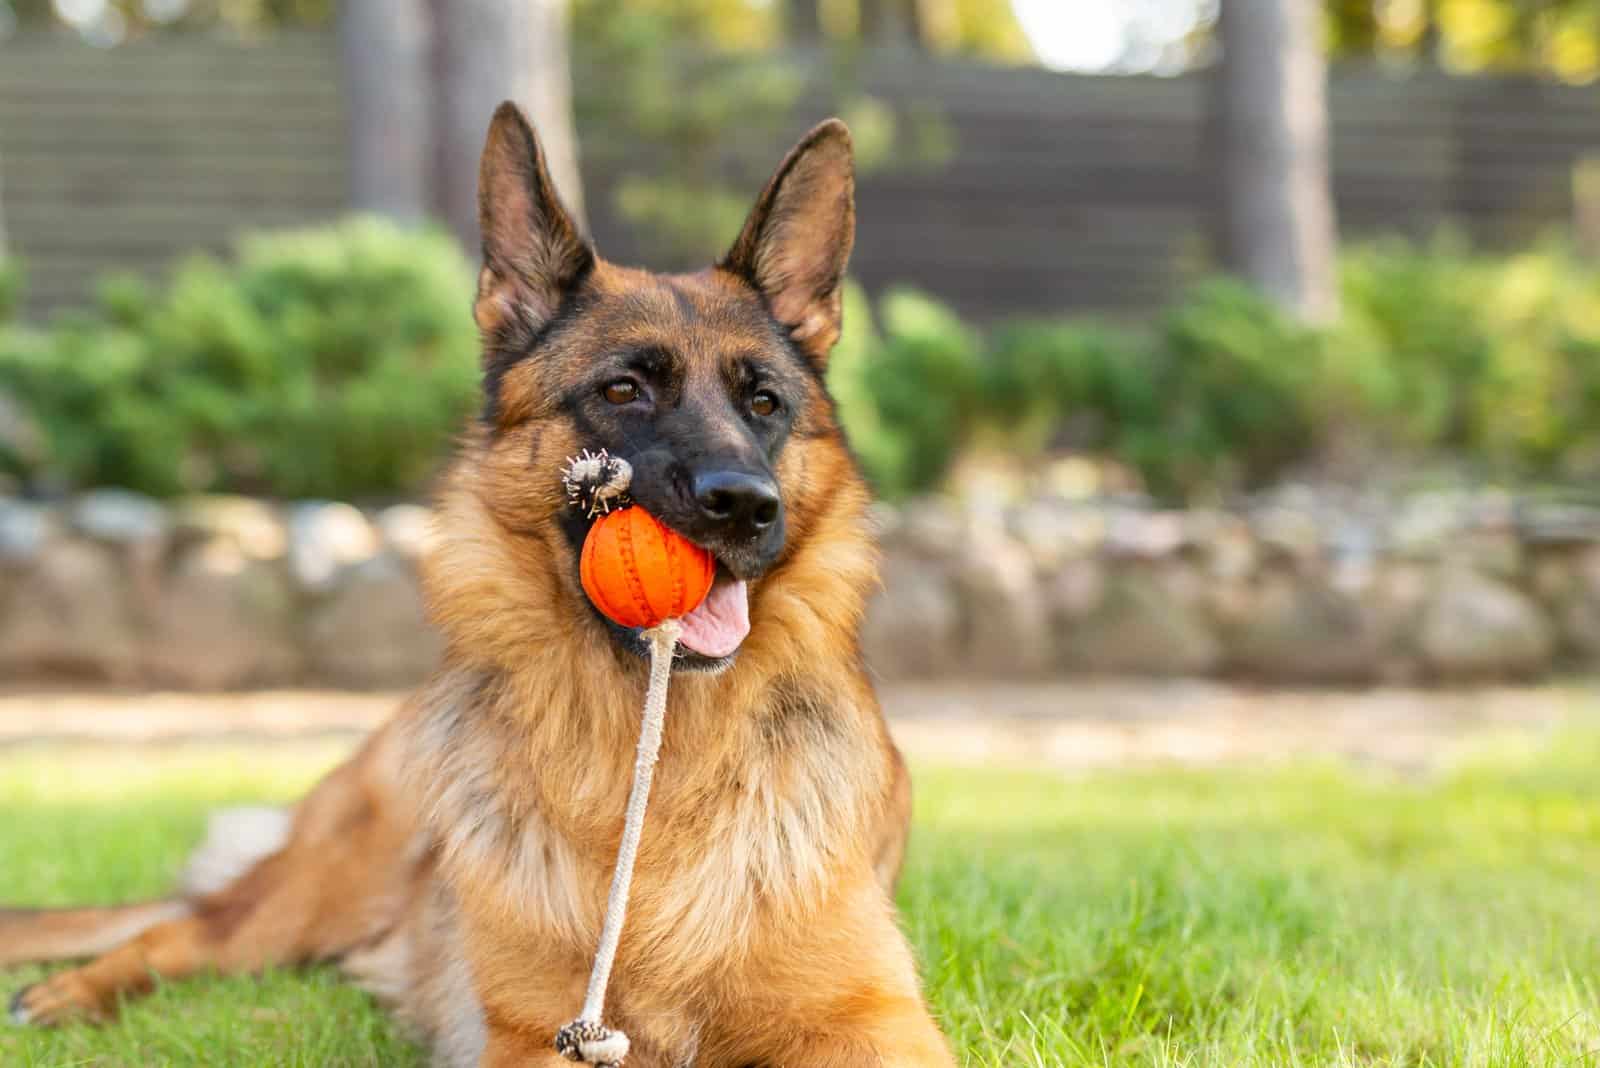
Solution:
(591, 1043)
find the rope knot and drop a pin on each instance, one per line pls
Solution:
(593, 1043)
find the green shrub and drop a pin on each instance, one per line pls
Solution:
(10, 289)
(1536, 407)
(1416, 338)
(328, 362)
(1213, 398)
(1235, 383)
(1488, 358)
(925, 380)
(1074, 385)
(339, 361)
(1443, 353)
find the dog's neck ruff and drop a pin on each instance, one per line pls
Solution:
(586, 1039)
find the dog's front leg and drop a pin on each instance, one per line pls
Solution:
(905, 1038)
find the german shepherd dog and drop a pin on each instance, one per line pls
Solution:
(458, 864)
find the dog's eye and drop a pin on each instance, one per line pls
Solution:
(764, 403)
(622, 391)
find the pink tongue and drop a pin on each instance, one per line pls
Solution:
(716, 628)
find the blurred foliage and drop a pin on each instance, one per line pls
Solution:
(671, 107)
(331, 362)
(111, 22)
(1560, 38)
(1211, 397)
(338, 362)
(1443, 353)
(983, 28)
(1497, 357)
(681, 97)
(1554, 37)
(925, 382)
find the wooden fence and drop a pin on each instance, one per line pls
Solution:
(1061, 192)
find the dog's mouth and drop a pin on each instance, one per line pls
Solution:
(718, 627)
(712, 634)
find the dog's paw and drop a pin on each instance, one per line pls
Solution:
(64, 996)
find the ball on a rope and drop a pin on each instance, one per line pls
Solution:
(640, 572)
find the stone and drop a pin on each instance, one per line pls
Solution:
(1076, 591)
(1425, 524)
(120, 517)
(1225, 544)
(1304, 631)
(407, 530)
(253, 527)
(1139, 628)
(1353, 538)
(1182, 581)
(1493, 551)
(1477, 627)
(1579, 607)
(1006, 626)
(1053, 532)
(222, 620)
(370, 631)
(1552, 571)
(325, 537)
(1557, 523)
(883, 519)
(1229, 604)
(25, 529)
(1393, 604)
(1586, 570)
(1288, 534)
(913, 625)
(1145, 535)
(1580, 630)
(68, 615)
(931, 527)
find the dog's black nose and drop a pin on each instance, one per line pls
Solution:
(739, 502)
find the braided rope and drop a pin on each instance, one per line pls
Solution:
(586, 1039)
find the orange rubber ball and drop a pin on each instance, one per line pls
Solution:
(639, 572)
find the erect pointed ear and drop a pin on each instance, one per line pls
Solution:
(796, 243)
(533, 253)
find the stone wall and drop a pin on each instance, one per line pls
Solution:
(1300, 587)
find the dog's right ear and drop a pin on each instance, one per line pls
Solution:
(533, 253)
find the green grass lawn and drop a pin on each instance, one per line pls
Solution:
(1299, 916)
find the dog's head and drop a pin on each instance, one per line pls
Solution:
(710, 384)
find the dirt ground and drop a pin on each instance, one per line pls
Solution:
(1075, 726)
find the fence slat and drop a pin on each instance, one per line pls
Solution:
(1062, 191)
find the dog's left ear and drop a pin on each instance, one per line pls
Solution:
(533, 253)
(796, 243)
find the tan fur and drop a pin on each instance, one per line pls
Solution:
(458, 864)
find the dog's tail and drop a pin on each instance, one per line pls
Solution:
(67, 934)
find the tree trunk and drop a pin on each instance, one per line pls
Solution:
(487, 51)
(1277, 217)
(1430, 43)
(802, 22)
(384, 59)
(891, 23)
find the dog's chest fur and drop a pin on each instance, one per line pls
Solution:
(739, 836)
